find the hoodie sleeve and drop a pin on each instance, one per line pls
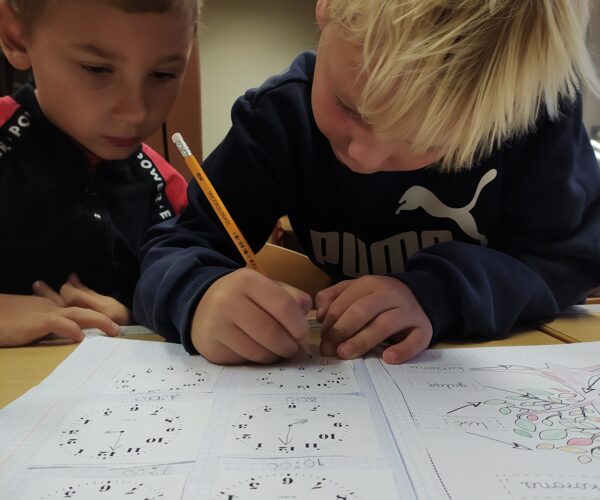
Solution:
(184, 256)
(545, 252)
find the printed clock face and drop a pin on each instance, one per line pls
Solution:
(290, 427)
(104, 489)
(120, 431)
(303, 379)
(290, 486)
(161, 379)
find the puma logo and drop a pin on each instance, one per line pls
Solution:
(420, 197)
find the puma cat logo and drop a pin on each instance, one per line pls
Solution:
(420, 197)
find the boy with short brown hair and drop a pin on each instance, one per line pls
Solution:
(78, 186)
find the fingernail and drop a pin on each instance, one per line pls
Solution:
(116, 328)
(390, 358)
(345, 351)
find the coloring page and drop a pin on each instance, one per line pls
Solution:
(521, 422)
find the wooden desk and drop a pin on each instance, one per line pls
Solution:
(578, 324)
(521, 337)
(22, 368)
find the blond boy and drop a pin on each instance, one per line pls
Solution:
(431, 158)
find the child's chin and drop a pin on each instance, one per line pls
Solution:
(111, 154)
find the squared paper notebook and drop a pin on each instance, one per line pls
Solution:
(134, 419)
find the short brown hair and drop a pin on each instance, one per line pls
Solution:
(29, 10)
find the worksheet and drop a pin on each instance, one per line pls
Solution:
(126, 419)
(123, 419)
(505, 422)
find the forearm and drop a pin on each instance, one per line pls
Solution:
(468, 290)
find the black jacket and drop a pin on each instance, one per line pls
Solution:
(61, 215)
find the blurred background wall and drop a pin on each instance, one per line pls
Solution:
(242, 42)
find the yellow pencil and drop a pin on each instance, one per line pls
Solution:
(209, 191)
(219, 208)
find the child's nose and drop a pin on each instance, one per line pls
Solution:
(131, 106)
(369, 153)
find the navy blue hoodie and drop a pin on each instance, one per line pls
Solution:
(62, 215)
(512, 239)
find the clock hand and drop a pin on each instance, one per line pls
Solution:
(120, 433)
(287, 441)
(301, 421)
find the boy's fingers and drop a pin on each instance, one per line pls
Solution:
(345, 295)
(332, 338)
(225, 357)
(87, 318)
(386, 324)
(42, 289)
(302, 298)
(324, 299)
(65, 327)
(76, 282)
(270, 335)
(246, 347)
(282, 307)
(232, 348)
(219, 353)
(77, 297)
(370, 315)
(414, 343)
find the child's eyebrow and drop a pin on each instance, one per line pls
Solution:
(173, 58)
(88, 47)
(105, 54)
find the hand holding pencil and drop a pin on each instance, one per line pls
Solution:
(244, 315)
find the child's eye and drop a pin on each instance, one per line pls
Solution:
(163, 75)
(433, 149)
(352, 113)
(95, 70)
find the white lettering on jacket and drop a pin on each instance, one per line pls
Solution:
(381, 257)
(389, 255)
(22, 121)
(164, 212)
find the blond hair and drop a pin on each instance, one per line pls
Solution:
(29, 10)
(465, 74)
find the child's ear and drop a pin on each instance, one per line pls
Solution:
(12, 39)
(321, 13)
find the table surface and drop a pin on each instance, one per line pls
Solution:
(21, 368)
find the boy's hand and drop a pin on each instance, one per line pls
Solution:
(359, 314)
(27, 318)
(75, 294)
(245, 316)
